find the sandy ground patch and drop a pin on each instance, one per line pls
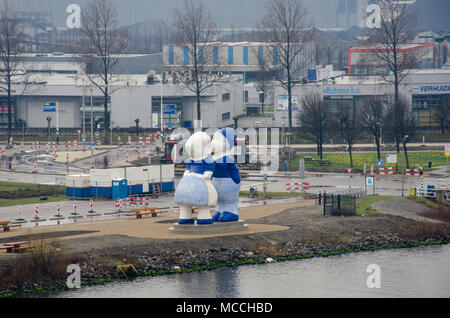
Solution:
(154, 228)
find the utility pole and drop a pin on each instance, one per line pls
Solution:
(92, 128)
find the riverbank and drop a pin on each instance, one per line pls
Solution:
(276, 232)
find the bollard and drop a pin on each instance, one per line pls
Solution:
(74, 208)
(91, 206)
(36, 212)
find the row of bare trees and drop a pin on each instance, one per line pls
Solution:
(285, 28)
(376, 116)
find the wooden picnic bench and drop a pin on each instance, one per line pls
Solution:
(6, 225)
(139, 213)
(16, 247)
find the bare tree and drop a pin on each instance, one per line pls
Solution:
(286, 26)
(371, 116)
(396, 29)
(346, 124)
(314, 118)
(399, 123)
(194, 31)
(100, 47)
(11, 46)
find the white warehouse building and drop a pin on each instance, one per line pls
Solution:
(135, 97)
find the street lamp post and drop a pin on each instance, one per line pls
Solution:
(404, 156)
(92, 127)
(84, 121)
(49, 119)
(137, 120)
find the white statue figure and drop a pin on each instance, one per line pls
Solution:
(226, 178)
(196, 188)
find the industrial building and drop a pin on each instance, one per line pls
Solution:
(59, 98)
(424, 90)
(244, 58)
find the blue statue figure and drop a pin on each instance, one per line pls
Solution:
(196, 188)
(226, 178)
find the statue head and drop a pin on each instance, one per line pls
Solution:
(222, 143)
(198, 146)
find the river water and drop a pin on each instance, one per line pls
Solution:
(415, 272)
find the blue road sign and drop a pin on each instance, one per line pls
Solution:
(170, 112)
(49, 107)
(170, 107)
(379, 163)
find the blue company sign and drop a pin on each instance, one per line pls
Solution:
(342, 91)
(435, 88)
(49, 107)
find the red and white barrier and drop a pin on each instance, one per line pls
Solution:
(36, 212)
(13, 165)
(58, 210)
(91, 206)
(385, 171)
(412, 172)
(75, 212)
(20, 215)
(297, 186)
(126, 156)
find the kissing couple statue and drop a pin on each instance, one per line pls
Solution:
(211, 179)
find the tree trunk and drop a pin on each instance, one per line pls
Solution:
(9, 111)
(107, 136)
(351, 156)
(290, 103)
(199, 109)
(377, 142)
(406, 155)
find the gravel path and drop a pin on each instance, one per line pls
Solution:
(404, 208)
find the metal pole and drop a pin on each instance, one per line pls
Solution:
(57, 122)
(84, 121)
(162, 111)
(92, 128)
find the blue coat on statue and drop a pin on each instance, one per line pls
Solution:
(226, 178)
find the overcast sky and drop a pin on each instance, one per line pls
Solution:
(238, 13)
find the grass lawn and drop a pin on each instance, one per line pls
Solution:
(363, 205)
(342, 160)
(12, 194)
(34, 200)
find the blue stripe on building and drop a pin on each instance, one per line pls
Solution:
(171, 55)
(230, 55)
(245, 55)
(186, 55)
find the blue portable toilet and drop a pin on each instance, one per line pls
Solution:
(119, 189)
